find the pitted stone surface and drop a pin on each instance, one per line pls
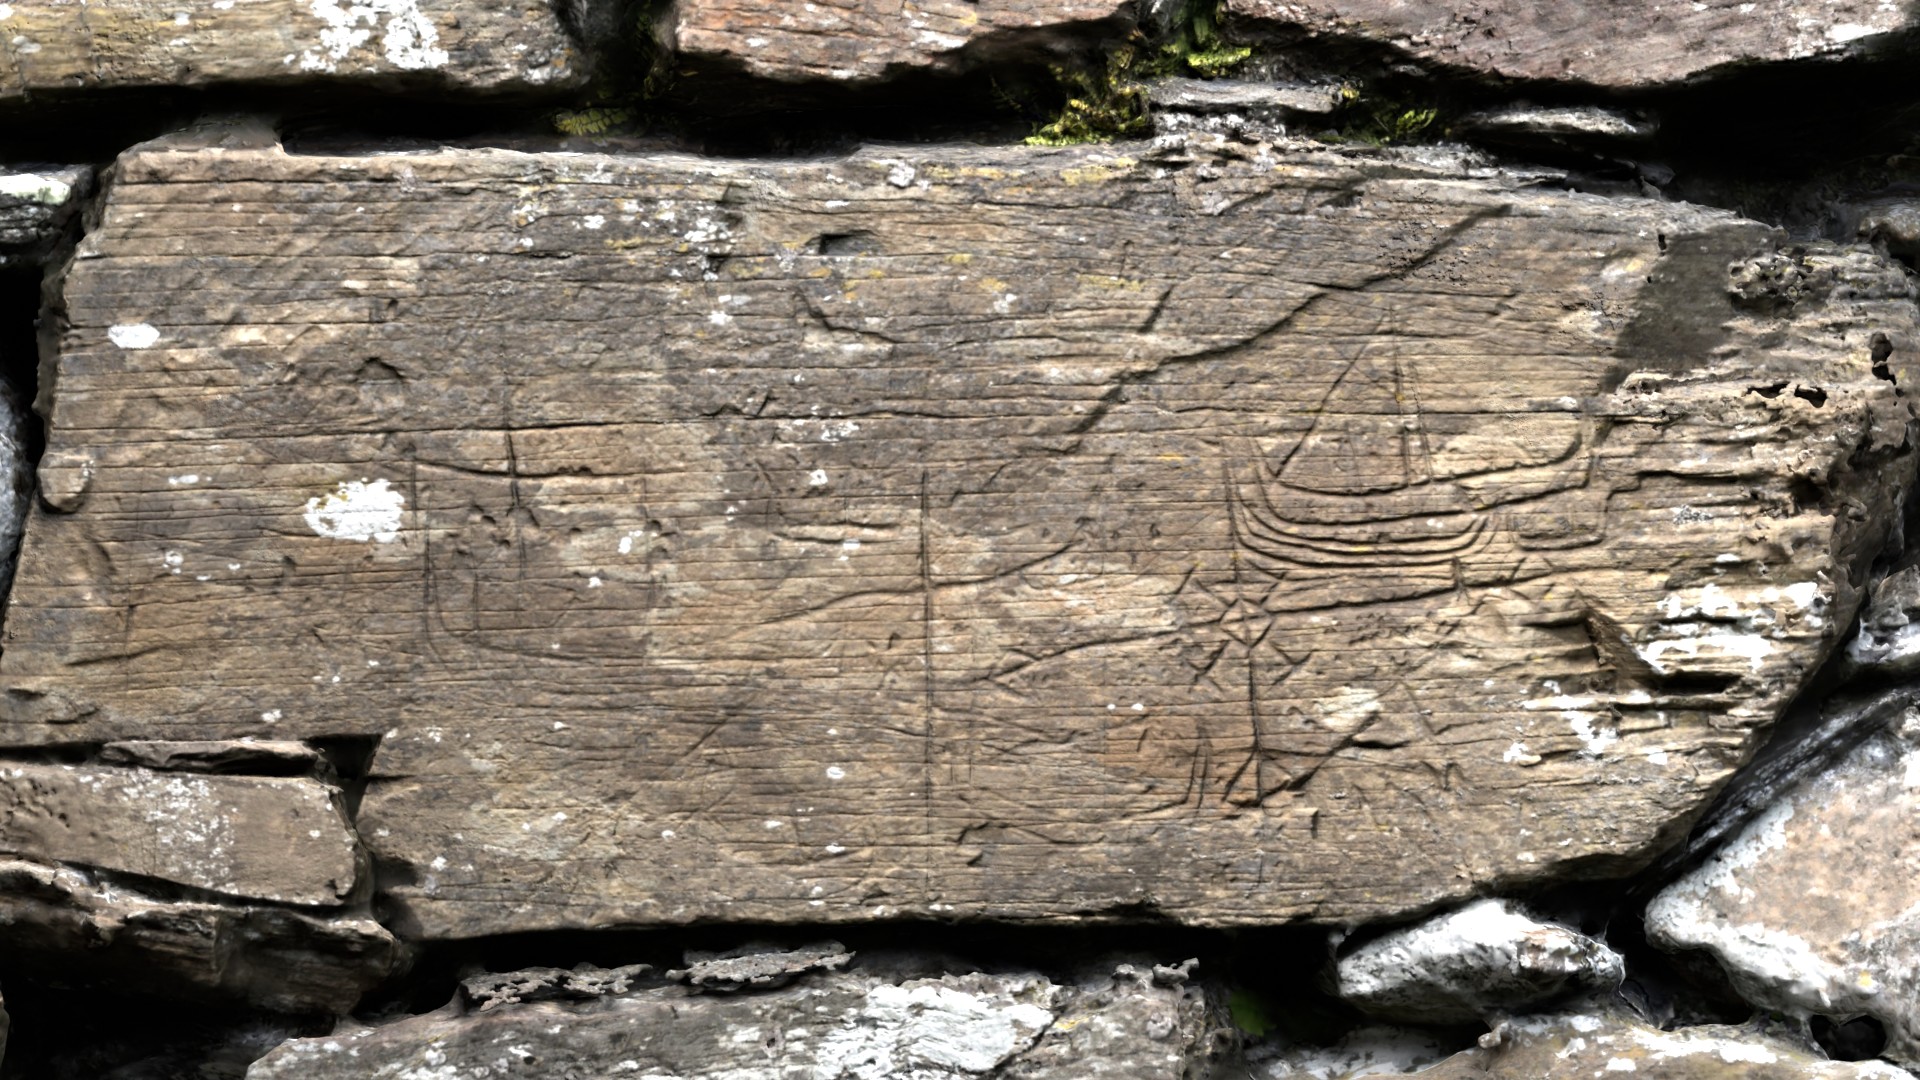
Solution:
(1237, 533)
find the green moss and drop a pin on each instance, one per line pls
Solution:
(1196, 48)
(1252, 1013)
(1109, 101)
(1102, 104)
(627, 95)
(1382, 120)
(595, 120)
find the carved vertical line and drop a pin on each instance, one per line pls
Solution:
(926, 674)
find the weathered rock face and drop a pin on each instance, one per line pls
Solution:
(1623, 44)
(1239, 534)
(35, 207)
(1812, 908)
(264, 838)
(67, 923)
(494, 45)
(854, 41)
(848, 1025)
(1887, 641)
(1584, 1045)
(1481, 961)
(1373, 1050)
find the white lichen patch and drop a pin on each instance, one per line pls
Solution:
(361, 511)
(133, 335)
(408, 38)
(1666, 655)
(931, 1030)
(32, 187)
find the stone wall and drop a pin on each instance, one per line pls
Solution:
(974, 539)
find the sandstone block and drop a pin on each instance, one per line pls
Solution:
(864, 41)
(490, 45)
(60, 922)
(263, 838)
(1622, 45)
(1233, 534)
(957, 1027)
(1814, 907)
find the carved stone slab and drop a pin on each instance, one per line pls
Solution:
(856, 41)
(1626, 43)
(264, 838)
(52, 45)
(1227, 534)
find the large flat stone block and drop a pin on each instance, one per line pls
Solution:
(1227, 534)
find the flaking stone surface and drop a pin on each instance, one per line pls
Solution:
(1620, 44)
(841, 1026)
(1232, 534)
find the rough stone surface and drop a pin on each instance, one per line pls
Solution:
(1558, 131)
(759, 968)
(856, 41)
(1814, 908)
(65, 923)
(473, 45)
(1624, 44)
(16, 475)
(35, 206)
(1236, 534)
(215, 756)
(263, 838)
(1482, 960)
(848, 1026)
(1373, 1050)
(1887, 641)
(1567, 1046)
(484, 992)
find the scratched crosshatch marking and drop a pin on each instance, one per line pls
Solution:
(1227, 534)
